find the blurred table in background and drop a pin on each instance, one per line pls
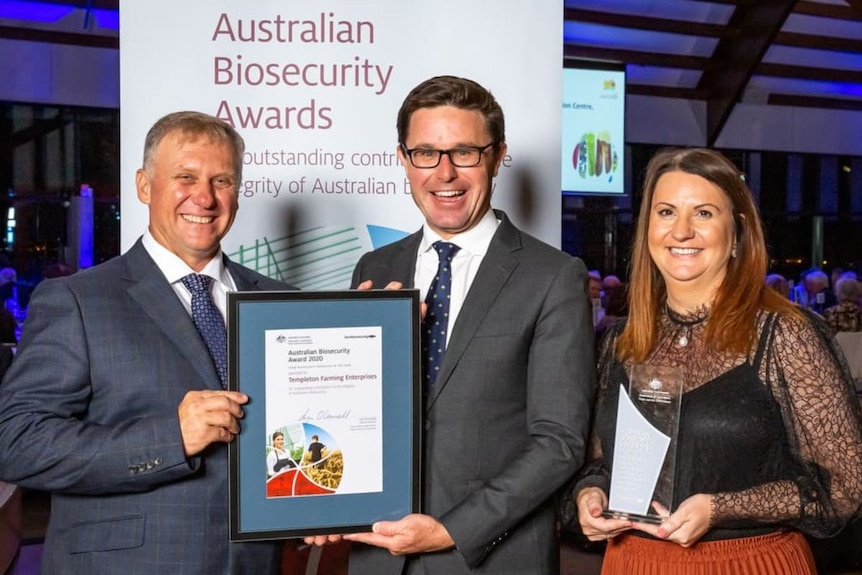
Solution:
(851, 344)
(11, 524)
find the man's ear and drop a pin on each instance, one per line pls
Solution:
(501, 153)
(399, 151)
(142, 184)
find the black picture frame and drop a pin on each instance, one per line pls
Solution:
(371, 400)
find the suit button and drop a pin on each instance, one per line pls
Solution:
(427, 424)
(133, 469)
(157, 461)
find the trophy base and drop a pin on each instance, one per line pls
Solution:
(653, 519)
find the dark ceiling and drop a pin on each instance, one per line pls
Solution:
(774, 52)
(801, 53)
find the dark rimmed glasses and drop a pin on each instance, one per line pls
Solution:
(460, 156)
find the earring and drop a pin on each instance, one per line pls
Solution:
(733, 251)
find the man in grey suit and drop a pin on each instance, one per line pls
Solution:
(506, 418)
(114, 403)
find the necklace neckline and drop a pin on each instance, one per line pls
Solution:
(686, 321)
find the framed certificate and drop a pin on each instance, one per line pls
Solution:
(330, 441)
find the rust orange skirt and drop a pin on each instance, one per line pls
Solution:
(771, 554)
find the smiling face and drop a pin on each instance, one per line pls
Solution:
(190, 187)
(691, 234)
(453, 200)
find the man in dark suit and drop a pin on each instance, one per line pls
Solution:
(506, 418)
(114, 403)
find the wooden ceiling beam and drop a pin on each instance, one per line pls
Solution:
(856, 8)
(817, 42)
(742, 3)
(53, 37)
(579, 51)
(798, 101)
(664, 92)
(809, 8)
(667, 25)
(84, 4)
(735, 58)
(809, 73)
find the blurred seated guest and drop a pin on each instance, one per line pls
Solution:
(820, 297)
(770, 431)
(609, 283)
(852, 275)
(617, 308)
(595, 285)
(836, 274)
(594, 292)
(6, 357)
(779, 283)
(846, 315)
(56, 270)
(8, 281)
(8, 327)
(799, 294)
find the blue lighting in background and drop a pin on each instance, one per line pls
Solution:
(85, 229)
(638, 40)
(10, 226)
(34, 11)
(51, 13)
(107, 19)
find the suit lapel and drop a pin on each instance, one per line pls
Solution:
(405, 259)
(159, 301)
(243, 280)
(496, 268)
(156, 297)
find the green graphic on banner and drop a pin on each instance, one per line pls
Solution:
(319, 258)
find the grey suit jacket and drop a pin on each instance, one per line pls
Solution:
(88, 411)
(507, 420)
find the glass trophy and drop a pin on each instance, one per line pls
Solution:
(645, 443)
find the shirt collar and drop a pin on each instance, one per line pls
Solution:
(175, 269)
(474, 241)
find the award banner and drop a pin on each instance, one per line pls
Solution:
(314, 88)
(330, 437)
(647, 428)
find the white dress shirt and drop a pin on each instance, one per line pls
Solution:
(176, 269)
(474, 245)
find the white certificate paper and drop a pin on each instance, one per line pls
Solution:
(324, 394)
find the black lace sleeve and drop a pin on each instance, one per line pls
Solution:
(810, 380)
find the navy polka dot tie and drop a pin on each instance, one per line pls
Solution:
(209, 321)
(436, 321)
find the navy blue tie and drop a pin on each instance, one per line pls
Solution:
(436, 322)
(209, 321)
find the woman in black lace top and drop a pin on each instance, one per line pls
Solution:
(770, 435)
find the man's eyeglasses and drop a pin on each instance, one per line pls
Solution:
(460, 157)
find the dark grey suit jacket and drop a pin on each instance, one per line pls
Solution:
(507, 420)
(88, 411)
